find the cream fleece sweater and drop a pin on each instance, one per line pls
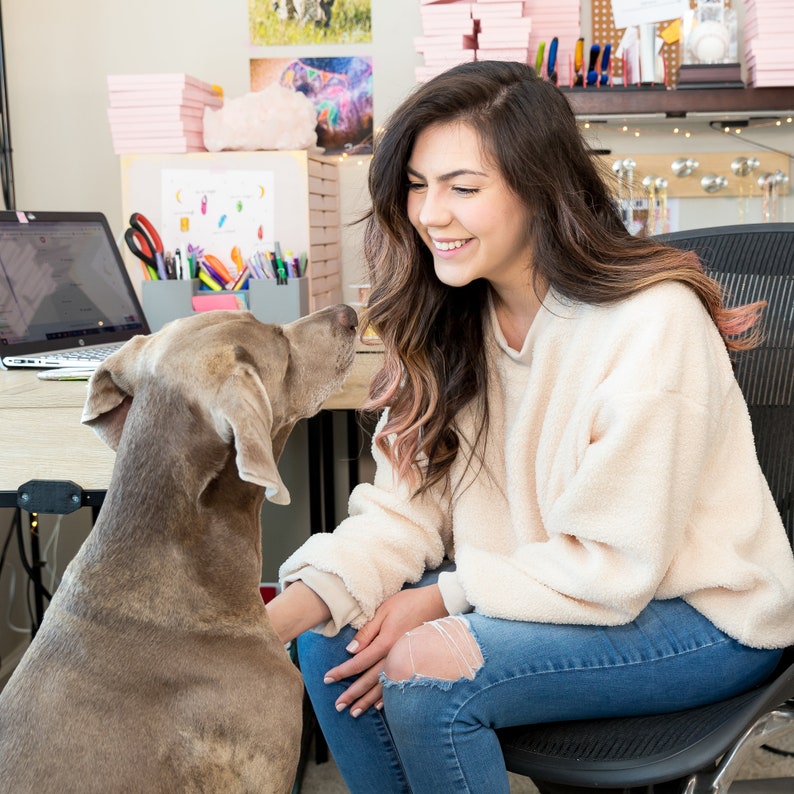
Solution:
(619, 467)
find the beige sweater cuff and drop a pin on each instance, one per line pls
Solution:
(331, 589)
(452, 593)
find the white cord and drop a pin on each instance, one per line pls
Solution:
(12, 587)
(53, 543)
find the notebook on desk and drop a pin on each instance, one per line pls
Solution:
(66, 299)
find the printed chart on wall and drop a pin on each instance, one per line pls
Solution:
(218, 210)
(339, 88)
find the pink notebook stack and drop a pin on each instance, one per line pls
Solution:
(159, 112)
(561, 20)
(503, 31)
(449, 36)
(768, 31)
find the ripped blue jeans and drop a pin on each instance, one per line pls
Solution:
(438, 735)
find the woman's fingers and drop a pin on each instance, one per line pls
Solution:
(372, 655)
(364, 692)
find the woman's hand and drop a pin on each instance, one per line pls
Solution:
(396, 615)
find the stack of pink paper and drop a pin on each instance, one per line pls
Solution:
(768, 31)
(503, 31)
(159, 112)
(449, 36)
(561, 20)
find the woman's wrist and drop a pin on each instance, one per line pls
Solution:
(295, 610)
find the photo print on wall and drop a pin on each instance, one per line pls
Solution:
(290, 22)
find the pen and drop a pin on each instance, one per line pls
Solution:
(242, 277)
(219, 268)
(253, 266)
(271, 261)
(180, 273)
(282, 271)
(211, 283)
(209, 270)
(170, 266)
(293, 265)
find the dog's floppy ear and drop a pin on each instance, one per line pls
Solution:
(110, 393)
(243, 406)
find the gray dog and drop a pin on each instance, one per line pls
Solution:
(155, 668)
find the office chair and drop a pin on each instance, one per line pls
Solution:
(702, 749)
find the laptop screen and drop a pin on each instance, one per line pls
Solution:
(62, 284)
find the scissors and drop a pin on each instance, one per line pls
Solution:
(539, 58)
(604, 79)
(578, 61)
(551, 69)
(144, 241)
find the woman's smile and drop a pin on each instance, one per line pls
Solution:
(449, 247)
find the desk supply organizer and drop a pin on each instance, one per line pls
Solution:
(249, 200)
(269, 301)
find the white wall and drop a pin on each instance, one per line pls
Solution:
(58, 55)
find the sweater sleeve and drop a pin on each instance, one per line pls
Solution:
(388, 539)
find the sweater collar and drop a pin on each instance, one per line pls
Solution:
(550, 307)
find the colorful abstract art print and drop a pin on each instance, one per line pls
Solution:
(341, 90)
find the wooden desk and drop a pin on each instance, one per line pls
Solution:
(44, 440)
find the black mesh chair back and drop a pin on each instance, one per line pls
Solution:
(700, 749)
(757, 263)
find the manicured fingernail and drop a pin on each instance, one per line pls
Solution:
(328, 680)
(341, 706)
(379, 705)
(352, 647)
(356, 712)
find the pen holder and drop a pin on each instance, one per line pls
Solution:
(269, 301)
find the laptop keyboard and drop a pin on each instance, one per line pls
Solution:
(90, 354)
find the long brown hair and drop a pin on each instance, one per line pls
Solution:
(433, 334)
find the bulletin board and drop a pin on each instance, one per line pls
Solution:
(604, 31)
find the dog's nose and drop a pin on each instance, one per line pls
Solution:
(346, 316)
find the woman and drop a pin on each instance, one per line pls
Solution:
(565, 464)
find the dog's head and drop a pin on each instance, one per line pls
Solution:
(253, 381)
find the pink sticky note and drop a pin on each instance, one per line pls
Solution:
(207, 303)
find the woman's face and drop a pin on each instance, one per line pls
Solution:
(473, 224)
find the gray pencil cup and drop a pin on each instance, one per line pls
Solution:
(269, 301)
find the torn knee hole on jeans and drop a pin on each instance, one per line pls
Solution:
(442, 651)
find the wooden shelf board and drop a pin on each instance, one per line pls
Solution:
(679, 102)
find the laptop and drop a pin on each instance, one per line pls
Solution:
(66, 299)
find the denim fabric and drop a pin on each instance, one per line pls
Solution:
(438, 736)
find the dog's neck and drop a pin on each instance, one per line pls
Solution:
(193, 517)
